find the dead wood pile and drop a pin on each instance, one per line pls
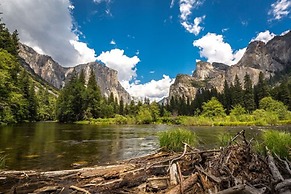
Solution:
(232, 169)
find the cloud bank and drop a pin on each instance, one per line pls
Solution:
(186, 7)
(280, 9)
(214, 49)
(47, 26)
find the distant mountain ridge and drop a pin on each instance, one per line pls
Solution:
(57, 75)
(270, 58)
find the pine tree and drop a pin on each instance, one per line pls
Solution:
(237, 92)
(227, 97)
(261, 90)
(121, 106)
(249, 103)
(93, 97)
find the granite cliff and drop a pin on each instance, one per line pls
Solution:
(57, 75)
(273, 57)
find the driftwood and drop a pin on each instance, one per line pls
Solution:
(231, 169)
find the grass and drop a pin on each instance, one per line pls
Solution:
(2, 161)
(278, 142)
(224, 138)
(173, 139)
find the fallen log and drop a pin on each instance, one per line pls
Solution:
(187, 183)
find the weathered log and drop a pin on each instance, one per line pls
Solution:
(79, 189)
(187, 183)
(174, 174)
(286, 184)
(273, 168)
(241, 188)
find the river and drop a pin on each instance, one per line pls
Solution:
(56, 146)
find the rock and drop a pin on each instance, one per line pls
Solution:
(270, 58)
(56, 75)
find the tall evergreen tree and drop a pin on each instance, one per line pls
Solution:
(237, 92)
(227, 97)
(93, 96)
(261, 90)
(249, 103)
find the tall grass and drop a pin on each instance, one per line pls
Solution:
(278, 142)
(173, 139)
(224, 138)
(2, 162)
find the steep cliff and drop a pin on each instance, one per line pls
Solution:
(275, 56)
(57, 76)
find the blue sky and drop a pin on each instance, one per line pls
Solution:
(149, 42)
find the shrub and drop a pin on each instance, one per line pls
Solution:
(173, 139)
(119, 119)
(213, 108)
(278, 142)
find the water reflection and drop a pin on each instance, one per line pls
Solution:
(54, 146)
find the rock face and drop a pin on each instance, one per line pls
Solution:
(57, 76)
(275, 56)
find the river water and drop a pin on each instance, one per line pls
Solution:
(56, 146)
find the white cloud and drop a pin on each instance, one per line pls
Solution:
(214, 49)
(116, 59)
(194, 27)
(47, 26)
(186, 7)
(280, 9)
(112, 42)
(85, 54)
(100, 1)
(152, 72)
(284, 33)
(172, 3)
(264, 36)
(155, 90)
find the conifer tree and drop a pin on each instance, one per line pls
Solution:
(237, 92)
(249, 103)
(261, 90)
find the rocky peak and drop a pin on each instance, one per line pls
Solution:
(57, 76)
(269, 58)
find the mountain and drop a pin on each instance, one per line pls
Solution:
(271, 58)
(57, 75)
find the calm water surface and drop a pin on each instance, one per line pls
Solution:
(55, 146)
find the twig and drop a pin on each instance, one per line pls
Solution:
(214, 178)
(79, 189)
(285, 162)
(180, 177)
(236, 136)
(178, 158)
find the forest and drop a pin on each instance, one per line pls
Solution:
(23, 98)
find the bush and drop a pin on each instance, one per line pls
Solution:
(213, 108)
(173, 139)
(278, 142)
(119, 119)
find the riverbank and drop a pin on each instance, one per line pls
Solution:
(235, 167)
(246, 120)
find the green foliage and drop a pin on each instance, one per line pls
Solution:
(224, 138)
(248, 94)
(263, 117)
(144, 115)
(213, 108)
(174, 139)
(278, 142)
(274, 106)
(2, 162)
